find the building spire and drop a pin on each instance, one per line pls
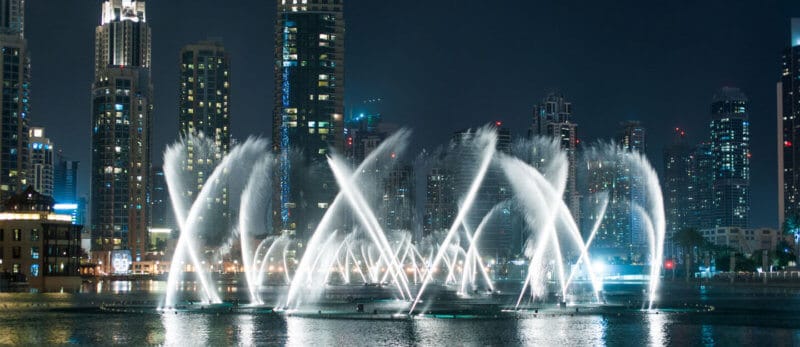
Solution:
(122, 10)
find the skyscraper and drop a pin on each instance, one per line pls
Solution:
(161, 214)
(122, 104)
(730, 148)
(632, 138)
(397, 202)
(41, 161)
(204, 110)
(701, 190)
(497, 240)
(677, 182)
(309, 107)
(789, 129)
(553, 118)
(440, 201)
(14, 99)
(65, 180)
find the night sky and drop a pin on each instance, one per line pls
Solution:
(446, 65)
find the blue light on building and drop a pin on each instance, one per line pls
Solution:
(71, 209)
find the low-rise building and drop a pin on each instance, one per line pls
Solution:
(39, 249)
(743, 240)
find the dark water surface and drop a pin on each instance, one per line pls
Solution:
(750, 317)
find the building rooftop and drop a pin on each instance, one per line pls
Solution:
(795, 32)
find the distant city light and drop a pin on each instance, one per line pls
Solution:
(65, 206)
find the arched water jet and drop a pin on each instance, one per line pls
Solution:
(490, 136)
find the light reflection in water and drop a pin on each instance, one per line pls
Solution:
(707, 335)
(304, 332)
(246, 330)
(562, 330)
(657, 329)
(182, 329)
(120, 286)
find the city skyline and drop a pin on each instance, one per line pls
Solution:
(684, 54)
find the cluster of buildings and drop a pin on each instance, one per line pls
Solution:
(705, 185)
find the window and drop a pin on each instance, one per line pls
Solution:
(17, 234)
(34, 235)
(16, 252)
(35, 270)
(15, 269)
(2, 234)
(34, 252)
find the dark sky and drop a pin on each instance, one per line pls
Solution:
(447, 64)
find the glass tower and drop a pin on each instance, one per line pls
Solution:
(309, 107)
(14, 99)
(677, 183)
(553, 118)
(730, 148)
(789, 129)
(121, 124)
(41, 165)
(204, 111)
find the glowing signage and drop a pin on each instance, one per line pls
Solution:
(121, 260)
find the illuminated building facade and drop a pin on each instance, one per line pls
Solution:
(14, 99)
(553, 118)
(309, 107)
(620, 235)
(122, 105)
(161, 214)
(789, 130)
(204, 110)
(397, 203)
(37, 246)
(41, 161)
(498, 238)
(440, 201)
(65, 180)
(677, 183)
(730, 148)
(630, 187)
(701, 190)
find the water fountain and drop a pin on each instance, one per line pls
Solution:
(362, 253)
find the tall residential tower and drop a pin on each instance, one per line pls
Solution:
(309, 108)
(730, 148)
(122, 105)
(14, 99)
(41, 162)
(204, 110)
(553, 118)
(789, 130)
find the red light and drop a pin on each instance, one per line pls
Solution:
(394, 155)
(787, 143)
(669, 264)
(498, 123)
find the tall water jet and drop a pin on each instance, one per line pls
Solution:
(488, 139)
(304, 278)
(238, 163)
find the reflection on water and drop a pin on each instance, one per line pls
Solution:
(657, 325)
(118, 287)
(182, 328)
(708, 335)
(562, 330)
(48, 319)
